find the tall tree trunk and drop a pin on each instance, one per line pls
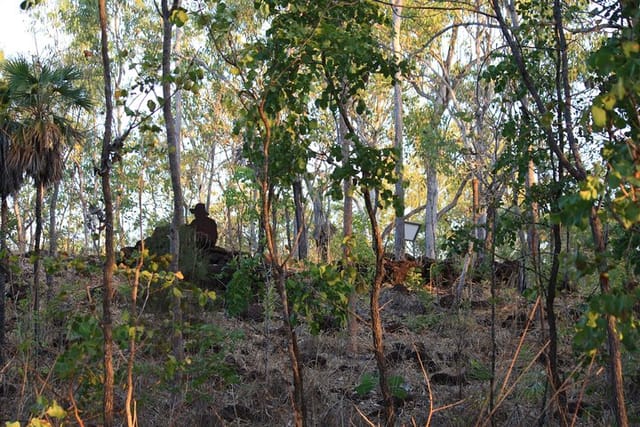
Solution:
(105, 172)
(53, 236)
(431, 211)
(399, 243)
(212, 163)
(552, 352)
(300, 238)
(130, 407)
(279, 274)
(173, 144)
(36, 264)
(4, 272)
(376, 319)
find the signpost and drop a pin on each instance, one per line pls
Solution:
(411, 230)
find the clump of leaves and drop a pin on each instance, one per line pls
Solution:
(319, 292)
(207, 346)
(244, 286)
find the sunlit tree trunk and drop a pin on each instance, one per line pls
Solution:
(431, 211)
(399, 243)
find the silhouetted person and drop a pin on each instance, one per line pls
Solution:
(206, 228)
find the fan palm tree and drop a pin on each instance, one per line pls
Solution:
(40, 100)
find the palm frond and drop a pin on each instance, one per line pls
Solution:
(40, 99)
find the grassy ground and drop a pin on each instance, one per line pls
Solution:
(238, 372)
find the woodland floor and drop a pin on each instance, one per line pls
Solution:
(239, 373)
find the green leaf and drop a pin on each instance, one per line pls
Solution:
(179, 17)
(56, 411)
(599, 116)
(609, 101)
(176, 292)
(367, 384)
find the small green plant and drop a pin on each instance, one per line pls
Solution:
(398, 387)
(414, 280)
(369, 381)
(319, 292)
(207, 346)
(479, 371)
(242, 289)
(423, 322)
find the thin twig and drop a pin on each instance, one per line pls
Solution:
(364, 417)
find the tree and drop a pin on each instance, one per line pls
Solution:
(558, 128)
(41, 97)
(106, 163)
(398, 129)
(173, 15)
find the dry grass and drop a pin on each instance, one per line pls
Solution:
(442, 355)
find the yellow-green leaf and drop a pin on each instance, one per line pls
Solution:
(591, 319)
(56, 411)
(179, 17)
(599, 116)
(12, 424)
(609, 101)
